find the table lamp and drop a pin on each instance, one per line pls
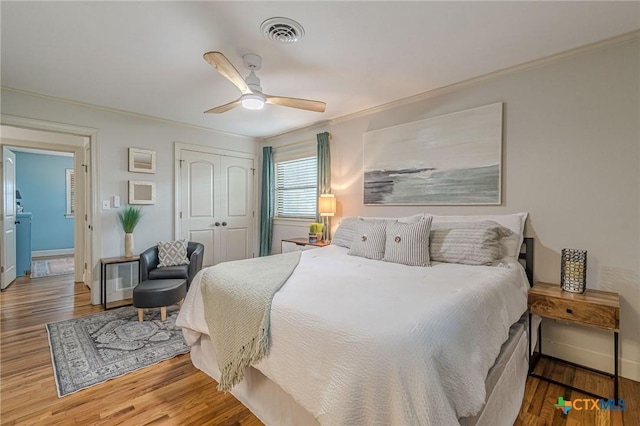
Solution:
(327, 208)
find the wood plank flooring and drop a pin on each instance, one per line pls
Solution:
(174, 392)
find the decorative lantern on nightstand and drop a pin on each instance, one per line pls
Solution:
(573, 272)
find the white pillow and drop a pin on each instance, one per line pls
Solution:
(469, 243)
(369, 239)
(345, 232)
(408, 243)
(515, 222)
(347, 228)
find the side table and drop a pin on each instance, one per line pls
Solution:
(593, 308)
(118, 277)
(300, 244)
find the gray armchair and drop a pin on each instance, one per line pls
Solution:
(149, 264)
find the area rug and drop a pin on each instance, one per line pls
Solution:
(52, 267)
(89, 350)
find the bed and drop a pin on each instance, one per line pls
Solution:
(361, 341)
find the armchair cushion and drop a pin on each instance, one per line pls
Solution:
(149, 264)
(172, 253)
(178, 271)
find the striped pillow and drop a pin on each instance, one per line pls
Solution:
(346, 232)
(470, 243)
(347, 229)
(408, 243)
(369, 239)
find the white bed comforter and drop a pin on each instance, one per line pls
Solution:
(358, 341)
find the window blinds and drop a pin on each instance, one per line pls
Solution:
(296, 188)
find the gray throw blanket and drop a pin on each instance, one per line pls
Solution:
(237, 302)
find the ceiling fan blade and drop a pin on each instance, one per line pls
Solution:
(224, 108)
(305, 104)
(226, 68)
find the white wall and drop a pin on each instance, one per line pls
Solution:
(571, 158)
(116, 132)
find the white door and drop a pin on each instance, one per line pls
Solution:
(237, 208)
(9, 217)
(216, 204)
(87, 278)
(199, 207)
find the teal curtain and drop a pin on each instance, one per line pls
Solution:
(267, 198)
(324, 176)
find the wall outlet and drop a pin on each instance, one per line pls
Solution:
(116, 201)
(106, 205)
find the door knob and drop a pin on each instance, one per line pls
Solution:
(217, 224)
(224, 223)
(18, 222)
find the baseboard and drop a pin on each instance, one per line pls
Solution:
(598, 360)
(49, 253)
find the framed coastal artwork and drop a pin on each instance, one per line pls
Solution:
(452, 159)
(142, 160)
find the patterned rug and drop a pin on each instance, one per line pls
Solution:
(52, 267)
(93, 349)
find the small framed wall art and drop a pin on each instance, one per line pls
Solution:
(142, 160)
(142, 192)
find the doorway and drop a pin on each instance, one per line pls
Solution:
(78, 204)
(45, 199)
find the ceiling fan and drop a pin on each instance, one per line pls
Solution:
(252, 96)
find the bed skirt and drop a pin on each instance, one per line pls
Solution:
(273, 406)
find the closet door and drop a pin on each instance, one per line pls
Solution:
(199, 202)
(237, 208)
(216, 204)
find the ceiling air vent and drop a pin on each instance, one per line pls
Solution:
(282, 30)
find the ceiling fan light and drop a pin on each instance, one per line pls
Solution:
(252, 102)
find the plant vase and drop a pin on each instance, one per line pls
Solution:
(128, 244)
(315, 232)
(315, 238)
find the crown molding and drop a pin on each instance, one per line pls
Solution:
(321, 125)
(582, 50)
(578, 51)
(123, 112)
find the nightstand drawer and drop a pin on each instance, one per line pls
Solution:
(593, 308)
(574, 310)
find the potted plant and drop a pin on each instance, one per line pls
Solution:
(315, 232)
(129, 217)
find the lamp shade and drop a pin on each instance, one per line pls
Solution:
(327, 205)
(18, 195)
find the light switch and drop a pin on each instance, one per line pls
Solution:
(116, 201)
(106, 205)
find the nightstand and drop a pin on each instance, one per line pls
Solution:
(593, 308)
(300, 244)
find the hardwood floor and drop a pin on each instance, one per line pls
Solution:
(540, 397)
(174, 392)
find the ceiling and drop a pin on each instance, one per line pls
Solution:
(146, 57)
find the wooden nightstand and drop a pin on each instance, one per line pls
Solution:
(593, 308)
(300, 244)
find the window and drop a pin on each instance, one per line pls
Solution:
(296, 188)
(71, 196)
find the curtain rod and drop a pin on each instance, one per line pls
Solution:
(297, 143)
